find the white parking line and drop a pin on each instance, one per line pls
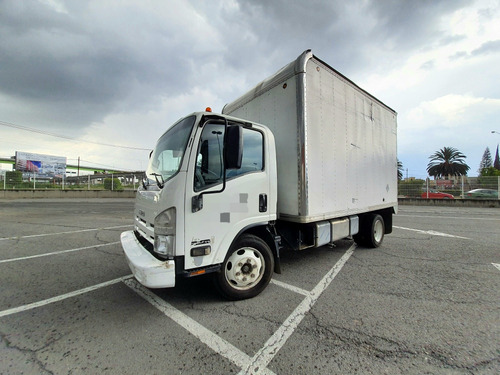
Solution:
(213, 341)
(59, 233)
(290, 287)
(62, 297)
(259, 362)
(265, 355)
(449, 217)
(58, 252)
(496, 265)
(431, 232)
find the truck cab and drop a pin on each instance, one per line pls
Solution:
(209, 190)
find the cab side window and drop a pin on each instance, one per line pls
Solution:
(253, 154)
(210, 161)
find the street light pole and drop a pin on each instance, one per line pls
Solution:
(498, 184)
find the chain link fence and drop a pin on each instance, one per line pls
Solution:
(463, 187)
(29, 181)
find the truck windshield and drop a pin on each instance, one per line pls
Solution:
(167, 155)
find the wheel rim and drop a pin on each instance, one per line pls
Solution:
(244, 268)
(378, 231)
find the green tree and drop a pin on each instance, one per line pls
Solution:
(486, 161)
(447, 161)
(489, 172)
(496, 163)
(115, 185)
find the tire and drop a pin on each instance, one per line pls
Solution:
(247, 269)
(371, 231)
(377, 231)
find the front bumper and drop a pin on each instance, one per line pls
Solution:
(148, 270)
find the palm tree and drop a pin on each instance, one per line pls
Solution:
(447, 161)
(400, 170)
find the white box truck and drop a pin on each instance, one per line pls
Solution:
(303, 159)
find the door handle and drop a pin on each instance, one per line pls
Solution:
(262, 202)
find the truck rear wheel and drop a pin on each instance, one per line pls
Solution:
(371, 231)
(247, 269)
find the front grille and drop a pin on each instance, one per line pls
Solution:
(144, 242)
(144, 222)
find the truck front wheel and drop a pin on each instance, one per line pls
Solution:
(247, 269)
(371, 231)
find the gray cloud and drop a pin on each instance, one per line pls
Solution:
(487, 48)
(88, 62)
(354, 36)
(407, 24)
(70, 64)
(78, 65)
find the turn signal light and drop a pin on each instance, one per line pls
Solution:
(196, 273)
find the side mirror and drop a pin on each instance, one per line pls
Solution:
(233, 147)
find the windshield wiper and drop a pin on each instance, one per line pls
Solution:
(145, 181)
(160, 184)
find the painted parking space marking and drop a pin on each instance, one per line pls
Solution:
(265, 355)
(259, 362)
(59, 233)
(249, 365)
(62, 297)
(213, 341)
(496, 265)
(450, 217)
(290, 287)
(431, 232)
(58, 252)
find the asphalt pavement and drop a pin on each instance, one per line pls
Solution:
(426, 302)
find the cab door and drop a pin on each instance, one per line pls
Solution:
(224, 209)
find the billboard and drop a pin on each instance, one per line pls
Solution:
(47, 166)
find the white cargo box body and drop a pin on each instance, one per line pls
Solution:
(336, 144)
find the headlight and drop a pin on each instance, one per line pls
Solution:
(165, 233)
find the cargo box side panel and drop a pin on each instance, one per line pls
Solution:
(376, 166)
(350, 147)
(326, 155)
(389, 171)
(277, 109)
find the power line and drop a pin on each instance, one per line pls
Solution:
(25, 128)
(103, 165)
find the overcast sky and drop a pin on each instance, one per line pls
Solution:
(121, 72)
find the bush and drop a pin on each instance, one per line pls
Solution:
(412, 189)
(490, 172)
(488, 182)
(116, 184)
(15, 177)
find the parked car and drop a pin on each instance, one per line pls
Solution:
(482, 194)
(434, 194)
